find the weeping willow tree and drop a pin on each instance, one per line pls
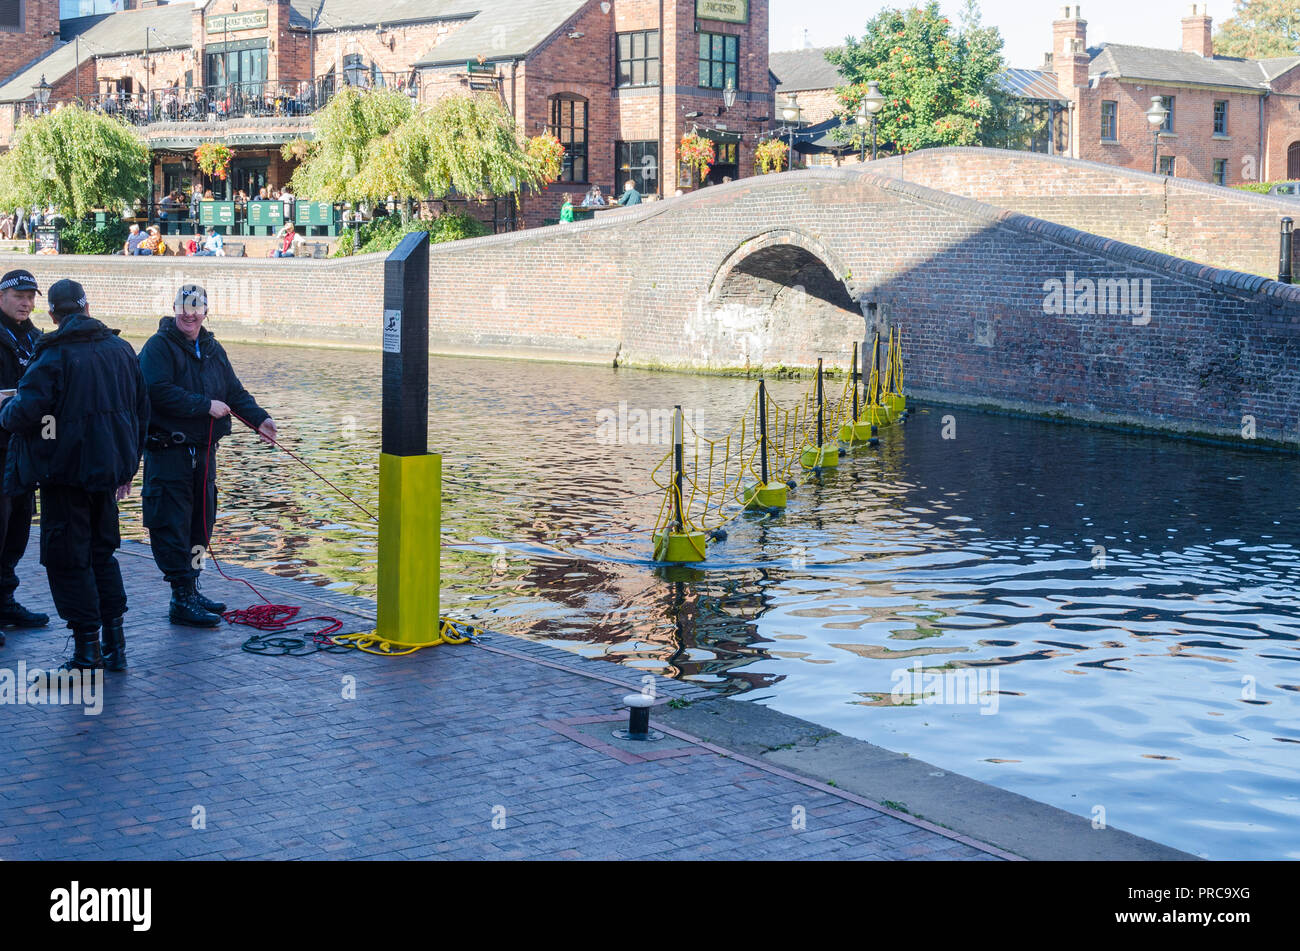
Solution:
(466, 143)
(75, 160)
(469, 144)
(348, 131)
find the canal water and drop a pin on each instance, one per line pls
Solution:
(1101, 621)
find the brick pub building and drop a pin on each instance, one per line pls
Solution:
(618, 81)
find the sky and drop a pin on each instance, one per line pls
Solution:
(1026, 25)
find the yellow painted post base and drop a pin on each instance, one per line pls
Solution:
(897, 404)
(679, 547)
(855, 434)
(773, 495)
(821, 457)
(410, 548)
(880, 416)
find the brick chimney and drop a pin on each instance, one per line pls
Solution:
(1070, 51)
(1198, 34)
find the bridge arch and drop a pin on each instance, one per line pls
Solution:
(792, 293)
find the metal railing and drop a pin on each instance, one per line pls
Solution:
(226, 101)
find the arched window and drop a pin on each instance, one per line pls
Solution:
(1293, 161)
(569, 125)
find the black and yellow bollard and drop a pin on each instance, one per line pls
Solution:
(821, 456)
(677, 544)
(767, 494)
(410, 477)
(858, 430)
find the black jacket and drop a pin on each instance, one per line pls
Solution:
(12, 361)
(183, 384)
(81, 413)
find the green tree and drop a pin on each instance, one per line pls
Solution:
(348, 131)
(75, 160)
(940, 83)
(467, 143)
(1260, 29)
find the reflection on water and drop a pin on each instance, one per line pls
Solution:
(1131, 604)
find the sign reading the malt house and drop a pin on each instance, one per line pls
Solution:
(232, 22)
(728, 11)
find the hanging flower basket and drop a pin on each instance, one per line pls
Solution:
(548, 152)
(771, 155)
(697, 152)
(213, 159)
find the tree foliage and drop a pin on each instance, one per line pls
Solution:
(940, 83)
(466, 143)
(348, 132)
(75, 160)
(384, 234)
(1260, 29)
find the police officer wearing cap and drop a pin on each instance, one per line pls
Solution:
(18, 337)
(79, 422)
(192, 389)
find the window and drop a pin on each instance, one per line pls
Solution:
(569, 125)
(638, 58)
(638, 161)
(1220, 171)
(11, 15)
(1221, 117)
(1168, 103)
(1109, 111)
(1167, 165)
(719, 60)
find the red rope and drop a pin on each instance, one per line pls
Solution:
(266, 616)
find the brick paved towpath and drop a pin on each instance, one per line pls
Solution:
(496, 751)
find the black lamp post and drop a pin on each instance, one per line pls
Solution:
(1284, 259)
(1156, 115)
(872, 103)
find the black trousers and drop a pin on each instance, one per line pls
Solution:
(15, 529)
(79, 535)
(176, 483)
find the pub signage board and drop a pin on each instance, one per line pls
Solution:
(725, 11)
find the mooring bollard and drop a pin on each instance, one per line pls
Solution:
(638, 720)
(410, 478)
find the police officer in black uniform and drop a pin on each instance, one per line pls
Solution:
(79, 422)
(18, 337)
(192, 390)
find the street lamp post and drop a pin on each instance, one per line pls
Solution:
(872, 103)
(41, 92)
(791, 112)
(1156, 115)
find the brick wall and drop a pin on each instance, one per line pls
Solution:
(776, 270)
(1217, 226)
(39, 34)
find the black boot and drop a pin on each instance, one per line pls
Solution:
(114, 648)
(13, 614)
(185, 608)
(85, 655)
(212, 607)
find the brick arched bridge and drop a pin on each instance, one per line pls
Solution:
(979, 256)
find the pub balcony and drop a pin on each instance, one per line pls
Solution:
(223, 102)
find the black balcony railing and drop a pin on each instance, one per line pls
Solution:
(226, 101)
